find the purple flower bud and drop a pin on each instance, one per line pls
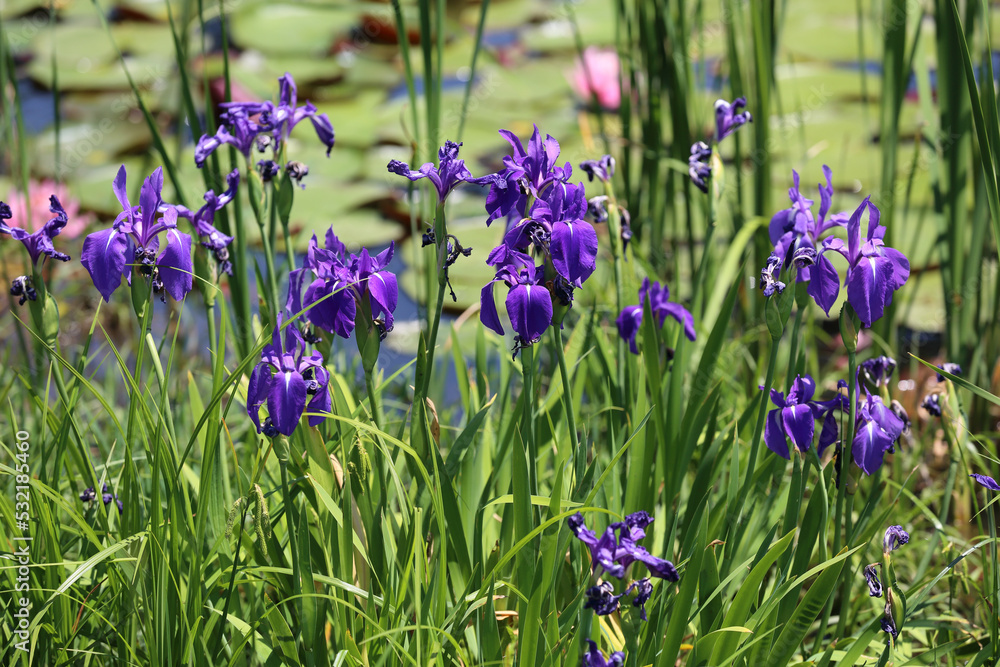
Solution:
(953, 369)
(895, 537)
(699, 168)
(603, 169)
(878, 370)
(729, 117)
(932, 404)
(986, 481)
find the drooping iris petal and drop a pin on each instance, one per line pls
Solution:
(800, 425)
(257, 392)
(657, 567)
(679, 313)
(286, 400)
(321, 404)
(828, 435)
(867, 288)
(774, 434)
(103, 256)
(869, 447)
(384, 295)
(900, 267)
(574, 250)
(324, 130)
(530, 310)
(488, 314)
(824, 283)
(331, 307)
(176, 269)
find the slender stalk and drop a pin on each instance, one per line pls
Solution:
(758, 430)
(567, 389)
(843, 498)
(528, 417)
(373, 400)
(441, 247)
(290, 522)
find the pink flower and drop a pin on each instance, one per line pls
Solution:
(38, 195)
(599, 73)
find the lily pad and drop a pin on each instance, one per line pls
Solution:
(291, 29)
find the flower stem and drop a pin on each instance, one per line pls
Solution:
(567, 390)
(758, 430)
(528, 417)
(843, 498)
(373, 401)
(290, 522)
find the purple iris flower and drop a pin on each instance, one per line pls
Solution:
(878, 370)
(237, 130)
(986, 481)
(135, 234)
(529, 302)
(602, 550)
(281, 119)
(875, 271)
(594, 658)
(795, 229)
(287, 379)
(273, 121)
(450, 171)
(526, 172)
(203, 220)
(932, 404)
(874, 584)
(877, 431)
(572, 240)
(630, 319)
(699, 165)
(39, 243)
(615, 555)
(794, 418)
(953, 369)
(895, 537)
(602, 170)
(89, 495)
(556, 227)
(729, 117)
(341, 281)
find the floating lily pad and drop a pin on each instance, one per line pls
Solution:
(85, 146)
(291, 29)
